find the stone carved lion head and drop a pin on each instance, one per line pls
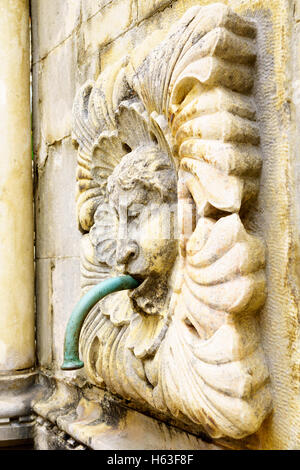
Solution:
(180, 126)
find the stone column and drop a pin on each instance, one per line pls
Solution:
(17, 348)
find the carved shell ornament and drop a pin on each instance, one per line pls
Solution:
(173, 147)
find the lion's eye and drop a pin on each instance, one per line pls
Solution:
(133, 213)
(132, 216)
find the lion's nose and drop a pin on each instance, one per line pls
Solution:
(126, 251)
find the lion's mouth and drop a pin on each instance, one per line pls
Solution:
(143, 282)
(150, 296)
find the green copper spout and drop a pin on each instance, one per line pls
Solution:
(80, 312)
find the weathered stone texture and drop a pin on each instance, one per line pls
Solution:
(53, 22)
(47, 436)
(66, 279)
(296, 113)
(110, 22)
(146, 8)
(98, 421)
(76, 45)
(57, 87)
(57, 249)
(58, 235)
(55, 276)
(91, 7)
(297, 10)
(44, 290)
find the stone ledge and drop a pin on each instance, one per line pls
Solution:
(106, 425)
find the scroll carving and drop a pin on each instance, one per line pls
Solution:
(178, 132)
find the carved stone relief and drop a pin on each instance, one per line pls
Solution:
(170, 148)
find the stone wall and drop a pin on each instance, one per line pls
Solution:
(73, 41)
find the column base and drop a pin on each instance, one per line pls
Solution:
(16, 418)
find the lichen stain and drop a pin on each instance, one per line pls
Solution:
(113, 414)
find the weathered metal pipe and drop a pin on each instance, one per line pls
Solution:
(80, 312)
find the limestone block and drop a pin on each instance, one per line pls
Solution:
(296, 46)
(109, 23)
(57, 88)
(52, 23)
(296, 104)
(297, 10)
(65, 295)
(44, 290)
(89, 70)
(57, 232)
(57, 294)
(146, 8)
(147, 34)
(36, 119)
(91, 7)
